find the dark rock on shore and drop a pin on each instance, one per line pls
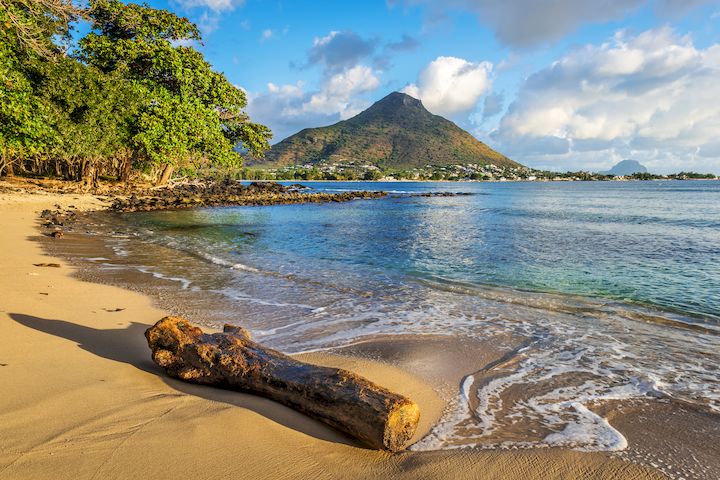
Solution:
(229, 193)
(58, 220)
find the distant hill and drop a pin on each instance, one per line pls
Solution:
(625, 167)
(395, 132)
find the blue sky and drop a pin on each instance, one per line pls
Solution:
(558, 84)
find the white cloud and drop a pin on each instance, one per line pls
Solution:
(450, 85)
(651, 97)
(208, 23)
(289, 108)
(266, 34)
(340, 95)
(215, 5)
(524, 23)
(336, 95)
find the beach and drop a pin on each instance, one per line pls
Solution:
(83, 399)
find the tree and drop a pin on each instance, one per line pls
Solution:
(373, 175)
(132, 94)
(192, 114)
(24, 127)
(28, 29)
(93, 116)
(34, 25)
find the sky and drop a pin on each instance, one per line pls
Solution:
(554, 84)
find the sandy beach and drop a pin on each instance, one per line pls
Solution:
(82, 399)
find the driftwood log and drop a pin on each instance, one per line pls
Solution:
(376, 416)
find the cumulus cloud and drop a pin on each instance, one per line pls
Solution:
(339, 50)
(652, 97)
(524, 23)
(289, 108)
(450, 85)
(336, 95)
(340, 95)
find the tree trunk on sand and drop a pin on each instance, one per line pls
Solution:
(165, 176)
(380, 418)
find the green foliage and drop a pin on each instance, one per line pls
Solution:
(180, 132)
(693, 175)
(27, 30)
(134, 88)
(92, 113)
(193, 114)
(24, 124)
(33, 27)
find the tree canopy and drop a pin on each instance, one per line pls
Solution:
(133, 94)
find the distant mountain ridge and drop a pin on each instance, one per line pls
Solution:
(395, 132)
(625, 167)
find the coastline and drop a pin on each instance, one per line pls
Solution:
(84, 400)
(395, 180)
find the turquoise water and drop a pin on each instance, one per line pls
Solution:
(656, 243)
(606, 290)
(650, 242)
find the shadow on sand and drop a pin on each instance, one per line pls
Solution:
(127, 345)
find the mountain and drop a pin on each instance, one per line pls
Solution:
(395, 132)
(626, 167)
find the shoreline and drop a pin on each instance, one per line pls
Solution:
(486, 181)
(86, 400)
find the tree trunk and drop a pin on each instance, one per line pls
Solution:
(9, 169)
(126, 169)
(165, 176)
(89, 174)
(380, 418)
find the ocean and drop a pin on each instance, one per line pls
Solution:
(593, 291)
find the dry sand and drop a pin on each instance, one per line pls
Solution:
(80, 398)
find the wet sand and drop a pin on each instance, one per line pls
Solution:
(81, 398)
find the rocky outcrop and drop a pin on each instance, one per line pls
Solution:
(228, 194)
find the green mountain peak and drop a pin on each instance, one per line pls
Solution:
(395, 132)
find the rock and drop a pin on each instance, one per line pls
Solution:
(228, 193)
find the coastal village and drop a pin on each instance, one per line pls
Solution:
(359, 171)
